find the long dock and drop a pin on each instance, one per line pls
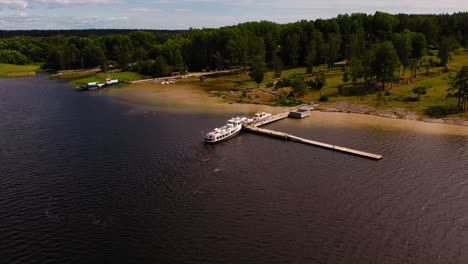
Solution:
(287, 136)
(254, 127)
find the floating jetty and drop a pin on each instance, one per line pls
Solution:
(299, 112)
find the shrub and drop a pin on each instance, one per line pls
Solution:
(284, 83)
(318, 83)
(270, 84)
(323, 98)
(439, 111)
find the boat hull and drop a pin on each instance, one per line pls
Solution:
(224, 139)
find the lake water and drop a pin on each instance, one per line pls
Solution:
(88, 178)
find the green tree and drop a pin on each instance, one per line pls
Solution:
(444, 54)
(290, 48)
(446, 46)
(257, 70)
(420, 90)
(94, 56)
(299, 88)
(383, 25)
(384, 61)
(334, 44)
(345, 77)
(13, 57)
(460, 85)
(119, 48)
(56, 59)
(277, 66)
(237, 50)
(311, 56)
(418, 49)
(355, 69)
(72, 56)
(160, 67)
(402, 44)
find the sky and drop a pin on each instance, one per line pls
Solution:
(184, 14)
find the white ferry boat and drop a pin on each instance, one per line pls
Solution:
(232, 128)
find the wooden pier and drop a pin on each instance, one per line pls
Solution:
(254, 127)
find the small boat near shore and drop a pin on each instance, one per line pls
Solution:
(95, 85)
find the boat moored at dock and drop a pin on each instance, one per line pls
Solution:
(95, 85)
(233, 127)
(261, 115)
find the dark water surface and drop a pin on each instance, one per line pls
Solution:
(86, 180)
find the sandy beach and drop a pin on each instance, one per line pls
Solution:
(184, 98)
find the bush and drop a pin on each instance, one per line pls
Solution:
(284, 83)
(440, 111)
(299, 87)
(356, 90)
(269, 85)
(283, 99)
(318, 83)
(323, 98)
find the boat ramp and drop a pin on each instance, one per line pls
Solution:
(299, 112)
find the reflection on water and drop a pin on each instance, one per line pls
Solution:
(86, 180)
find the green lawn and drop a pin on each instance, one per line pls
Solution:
(101, 77)
(14, 71)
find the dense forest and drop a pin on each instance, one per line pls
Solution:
(373, 44)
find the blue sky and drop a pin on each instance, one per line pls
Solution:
(183, 14)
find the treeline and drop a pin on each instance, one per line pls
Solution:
(77, 32)
(364, 40)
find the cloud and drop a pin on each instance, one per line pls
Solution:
(31, 21)
(63, 3)
(185, 10)
(14, 4)
(182, 14)
(22, 4)
(136, 10)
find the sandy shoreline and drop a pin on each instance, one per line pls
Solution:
(394, 113)
(186, 99)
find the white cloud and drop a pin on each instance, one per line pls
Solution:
(58, 3)
(14, 4)
(22, 4)
(182, 14)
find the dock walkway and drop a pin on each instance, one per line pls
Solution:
(287, 136)
(254, 127)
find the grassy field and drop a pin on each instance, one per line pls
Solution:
(101, 77)
(14, 71)
(396, 95)
(400, 95)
